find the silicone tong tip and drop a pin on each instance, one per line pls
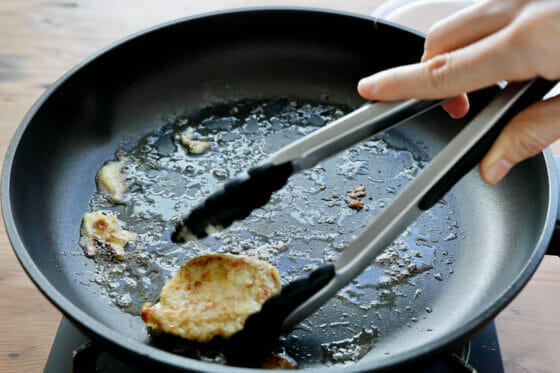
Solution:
(235, 201)
(264, 326)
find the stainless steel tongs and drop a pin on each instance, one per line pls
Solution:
(239, 197)
(302, 297)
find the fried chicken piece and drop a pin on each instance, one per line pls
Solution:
(212, 295)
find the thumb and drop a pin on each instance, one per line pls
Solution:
(528, 133)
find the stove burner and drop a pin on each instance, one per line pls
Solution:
(482, 354)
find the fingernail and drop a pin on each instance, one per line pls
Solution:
(498, 170)
(366, 88)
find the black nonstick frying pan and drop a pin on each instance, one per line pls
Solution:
(485, 241)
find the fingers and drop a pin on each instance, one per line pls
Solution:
(475, 66)
(488, 42)
(526, 135)
(468, 25)
(457, 106)
(457, 31)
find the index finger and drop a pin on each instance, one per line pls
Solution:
(475, 66)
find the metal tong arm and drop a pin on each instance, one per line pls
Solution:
(366, 121)
(236, 199)
(461, 154)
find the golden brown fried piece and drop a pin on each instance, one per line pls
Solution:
(99, 229)
(193, 146)
(212, 295)
(111, 178)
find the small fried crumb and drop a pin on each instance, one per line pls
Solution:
(353, 197)
(355, 204)
(111, 178)
(280, 361)
(193, 146)
(359, 192)
(100, 230)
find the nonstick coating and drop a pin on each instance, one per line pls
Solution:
(127, 90)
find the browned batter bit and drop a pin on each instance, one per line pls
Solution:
(280, 361)
(353, 197)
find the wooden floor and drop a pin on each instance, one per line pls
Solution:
(40, 40)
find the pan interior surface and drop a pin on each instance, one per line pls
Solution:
(479, 238)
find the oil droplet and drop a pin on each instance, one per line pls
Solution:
(351, 349)
(124, 300)
(450, 237)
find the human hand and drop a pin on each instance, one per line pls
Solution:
(490, 41)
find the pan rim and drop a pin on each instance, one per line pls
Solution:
(101, 331)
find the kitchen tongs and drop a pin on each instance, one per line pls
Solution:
(301, 297)
(239, 197)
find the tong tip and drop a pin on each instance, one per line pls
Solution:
(235, 201)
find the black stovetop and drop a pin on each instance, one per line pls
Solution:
(484, 355)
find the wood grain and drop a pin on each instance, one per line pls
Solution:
(29, 321)
(40, 40)
(529, 328)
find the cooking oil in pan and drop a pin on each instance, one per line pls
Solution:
(305, 224)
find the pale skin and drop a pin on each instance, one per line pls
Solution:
(485, 43)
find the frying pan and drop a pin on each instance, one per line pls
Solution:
(180, 68)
